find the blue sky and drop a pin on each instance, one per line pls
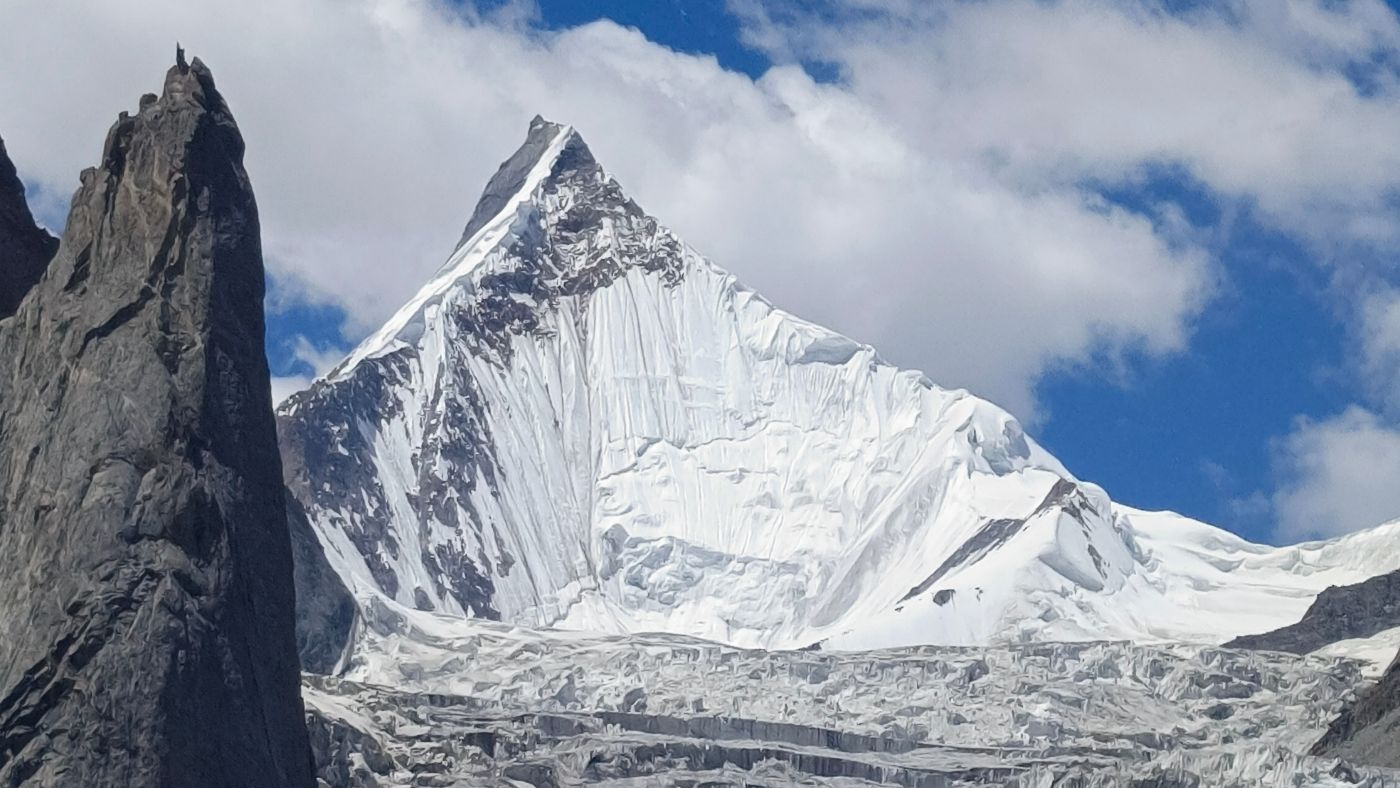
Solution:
(1194, 431)
(1164, 234)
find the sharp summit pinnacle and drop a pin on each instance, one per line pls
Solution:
(146, 625)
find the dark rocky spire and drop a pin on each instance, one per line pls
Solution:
(24, 246)
(146, 603)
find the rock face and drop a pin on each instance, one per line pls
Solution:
(24, 246)
(146, 598)
(1367, 730)
(1339, 613)
(325, 609)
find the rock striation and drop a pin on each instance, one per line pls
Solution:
(146, 587)
(25, 248)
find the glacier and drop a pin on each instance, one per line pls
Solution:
(437, 700)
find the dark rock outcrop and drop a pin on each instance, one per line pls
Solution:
(1339, 613)
(146, 592)
(511, 175)
(25, 248)
(1368, 731)
(325, 609)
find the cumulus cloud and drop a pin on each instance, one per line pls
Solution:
(1284, 108)
(1379, 331)
(1339, 476)
(1257, 99)
(372, 125)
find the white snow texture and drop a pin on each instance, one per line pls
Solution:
(582, 423)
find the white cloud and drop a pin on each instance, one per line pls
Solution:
(372, 125)
(932, 202)
(320, 359)
(1288, 108)
(1251, 96)
(1379, 331)
(1340, 475)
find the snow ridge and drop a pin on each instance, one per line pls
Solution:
(482, 236)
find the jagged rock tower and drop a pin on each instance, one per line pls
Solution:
(24, 247)
(146, 603)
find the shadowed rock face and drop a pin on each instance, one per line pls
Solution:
(146, 602)
(24, 247)
(1360, 610)
(325, 609)
(1368, 731)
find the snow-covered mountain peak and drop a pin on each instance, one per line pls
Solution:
(518, 177)
(548, 175)
(580, 422)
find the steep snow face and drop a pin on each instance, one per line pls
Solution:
(582, 423)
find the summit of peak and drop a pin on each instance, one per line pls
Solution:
(543, 139)
(189, 85)
(541, 125)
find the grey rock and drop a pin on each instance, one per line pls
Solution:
(25, 248)
(325, 613)
(1368, 730)
(511, 175)
(1339, 613)
(146, 593)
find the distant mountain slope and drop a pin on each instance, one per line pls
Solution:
(580, 422)
(25, 248)
(1361, 619)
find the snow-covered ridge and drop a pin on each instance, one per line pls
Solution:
(473, 250)
(582, 423)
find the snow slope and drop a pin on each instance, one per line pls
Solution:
(581, 423)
